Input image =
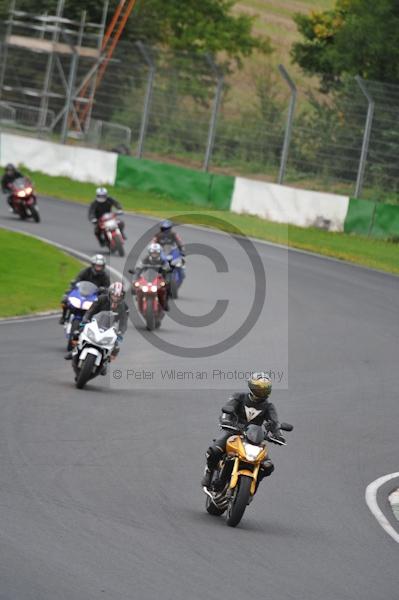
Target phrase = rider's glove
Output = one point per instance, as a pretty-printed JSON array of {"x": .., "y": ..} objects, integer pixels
[
  {"x": 81, "y": 325},
  {"x": 94, "y": 221}
]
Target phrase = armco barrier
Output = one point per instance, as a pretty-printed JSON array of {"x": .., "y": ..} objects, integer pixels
[
  {"x": 179, "y": 183},
  {"x": 284, "y": 204},
  {"x": 81, "y": 164}
]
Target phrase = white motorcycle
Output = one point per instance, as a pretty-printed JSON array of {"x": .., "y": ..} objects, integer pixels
[{"x": 93, "y": 350}]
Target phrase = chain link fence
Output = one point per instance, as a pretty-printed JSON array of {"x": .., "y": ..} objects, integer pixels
[{"x": 187, "y": 109}]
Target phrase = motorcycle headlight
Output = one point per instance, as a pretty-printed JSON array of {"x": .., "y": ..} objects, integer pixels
[
  {"x": 28, "y": 190},
  {"x": 86, "y": 304},
  {"x": 252, "y": 451},
  {"x": 21, "y": 194},
  {"x": 154, "y": 288},
  {"x": 144, "y": 288},
  {"x": 91, "y": 335},
  {"x": 75, "y": 302},
  {"x": 107, "y": 340}
]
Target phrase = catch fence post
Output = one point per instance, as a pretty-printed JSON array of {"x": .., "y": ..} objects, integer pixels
[
  {"x": 290, "y": 120},
  {"x": 215, "y": 112},
  {"x": 147, "y": 98},
  {"x": 366, "y": 136}
]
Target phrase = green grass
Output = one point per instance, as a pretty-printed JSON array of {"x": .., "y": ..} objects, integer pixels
[
  {"x": 33, "y": 274},
  {"x": 370, "y": 253}
]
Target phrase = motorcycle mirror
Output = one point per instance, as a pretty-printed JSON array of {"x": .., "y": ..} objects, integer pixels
[
  {"x": 228, "y": 410},
  {"x": 286, "y": 427}
]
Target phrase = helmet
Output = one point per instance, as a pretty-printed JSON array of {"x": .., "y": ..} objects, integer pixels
[
  {"x": 116, "y": 292},
  {"x": 101, "y": 194},
  {"x": 97, "y": 263},
  {"x": 260, "y": 385},
  {"x": 154, "y": 251},
  {"x": 10, "y": 168},
  {"x": 166, "y": 225}
]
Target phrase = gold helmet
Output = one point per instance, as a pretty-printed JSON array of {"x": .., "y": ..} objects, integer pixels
[{"x": 260, "y": 385}]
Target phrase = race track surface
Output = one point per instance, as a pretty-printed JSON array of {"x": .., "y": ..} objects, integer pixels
[{"x": 99, "y": 489}]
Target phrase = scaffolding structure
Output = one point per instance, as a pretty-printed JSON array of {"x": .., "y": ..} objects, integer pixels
[{"x": 66, "y": 43}]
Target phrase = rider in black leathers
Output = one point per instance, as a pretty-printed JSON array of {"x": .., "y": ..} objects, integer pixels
[
  {"x": 101, "y": 205},
  {"x": 95, "y": 273},
  {"x": 253, "y": 407},
  {"x": 10, "y": 175}
]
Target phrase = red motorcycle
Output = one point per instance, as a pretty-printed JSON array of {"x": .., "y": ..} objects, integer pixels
[
  {"x": 109, "y": 226},
  {"x": 23, "y": 199},
  {"x": 150, "y": 291}
]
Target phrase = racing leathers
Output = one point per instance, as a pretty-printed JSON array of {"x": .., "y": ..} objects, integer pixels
[
  {"x": 98, "y": 209},
  {"x": 248, "y": 411},
  {"x": 169, "y": 238},
  {"x": 6, "y": 182}
]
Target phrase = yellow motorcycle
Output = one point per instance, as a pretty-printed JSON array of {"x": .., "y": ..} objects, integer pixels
[{"x": 236, "y": 478}]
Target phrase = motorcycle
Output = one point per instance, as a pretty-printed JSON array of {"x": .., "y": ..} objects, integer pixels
[
  {"x": 78, "y": 301},
  {"x": 150, "y": 291},
  {"x": 93, "y": 350},
  {"x": 109, "y": 226},
  {"x": 236, "y": 479},
  {"x": 23, "y": 199},
  {"x": 177, "y": 268}
]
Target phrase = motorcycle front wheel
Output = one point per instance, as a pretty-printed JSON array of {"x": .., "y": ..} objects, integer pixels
[
  {"x": 150, "y": 316},
  {"x": 35, "y": 214},
  {"x": 86, "y": 371},
  {"x": 239, "y": 501},
  {"x": 119, "y": 246}
]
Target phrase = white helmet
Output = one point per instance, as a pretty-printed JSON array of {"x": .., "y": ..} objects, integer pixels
[
  {"x": 101, "y": 194},
  {"x": 154, "y": 251},
  {"x": 97, "y": 263}
]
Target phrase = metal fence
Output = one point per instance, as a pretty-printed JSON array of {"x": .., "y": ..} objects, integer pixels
[{"x": 156, "y": 104}]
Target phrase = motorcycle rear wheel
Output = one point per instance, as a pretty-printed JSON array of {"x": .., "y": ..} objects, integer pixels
[
  {"x": 239, "y": 502},
  {"x": 86, "y": 371}
]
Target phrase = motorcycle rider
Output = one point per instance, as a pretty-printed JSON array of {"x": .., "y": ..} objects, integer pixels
[
  {"x": 10, "y": 175},
  {"x": 95, "y": 273},
  {"x": 156, "y": 260},
  {"x": 167, "y": 236},
  {"x": 101, "y": 205},
  {"x": 112, "y": 300},
  {"x": 253, "y": 407}
]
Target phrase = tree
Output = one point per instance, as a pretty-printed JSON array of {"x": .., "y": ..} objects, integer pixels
[
  {"x": 356, "y": 37},
  {"x": 183, "y": 25}
]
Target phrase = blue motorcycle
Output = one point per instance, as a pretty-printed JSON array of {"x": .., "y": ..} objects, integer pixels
[
  {"x": 178, "y": 270},
  {"x": 79, "y": 300}
]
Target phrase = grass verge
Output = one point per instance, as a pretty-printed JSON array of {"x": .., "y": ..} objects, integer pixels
[
  {"x": 33, "y": 274},
  {"x": 359, "y": 250}
]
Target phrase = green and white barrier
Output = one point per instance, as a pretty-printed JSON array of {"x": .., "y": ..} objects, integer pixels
[{"x": 273, "y": 202}]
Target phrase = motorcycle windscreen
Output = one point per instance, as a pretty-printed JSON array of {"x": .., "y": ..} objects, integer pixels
[
  {"x": 86, "y": 288},
  {"x": 255, "y": 434},
  {"x": 21, "y": 183},
  {"x": 105, "y": 319},
  {"x": 150, "y": 274}
]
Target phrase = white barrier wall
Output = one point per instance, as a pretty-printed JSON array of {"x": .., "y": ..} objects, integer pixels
[
  {"x": 81, "y": 164},
  {"x": 289, "y": 205}
]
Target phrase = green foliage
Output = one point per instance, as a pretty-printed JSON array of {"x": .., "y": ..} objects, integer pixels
[
  {"x": 357, "y": 37},
  {"x": 202, "y": 27}
]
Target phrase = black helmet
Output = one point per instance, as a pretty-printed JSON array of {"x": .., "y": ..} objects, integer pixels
[
  {"x": 260, "y": 386},
  {"x": 97, "y": 263},
  {"x": 10, "y": 168}
]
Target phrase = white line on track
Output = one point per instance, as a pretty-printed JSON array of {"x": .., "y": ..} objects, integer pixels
[
  {"x": 67, "y": 249},
  {"x": 371, "y": 499}
]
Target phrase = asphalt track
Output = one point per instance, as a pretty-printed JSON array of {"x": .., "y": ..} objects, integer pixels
[{"x": 99, "y": 489}]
